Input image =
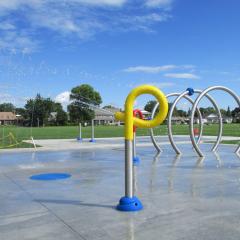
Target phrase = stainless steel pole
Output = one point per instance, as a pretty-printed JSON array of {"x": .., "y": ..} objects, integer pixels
[
  {"x": 92, "y": 131},
  {"x": 134, "y": 145},
  {"x": 128, "y": 169},
  {"x": 80, "y": 131}
]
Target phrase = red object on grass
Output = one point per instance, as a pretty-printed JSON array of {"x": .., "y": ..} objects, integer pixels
[{"x": 135, "y": 113}]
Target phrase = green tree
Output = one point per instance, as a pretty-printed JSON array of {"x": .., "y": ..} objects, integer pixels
[
  {"x": 207, "y": 111},
  {"x": 7, "y": 107},
  {"x": 236, "y": 115},
  {"x": 84, "y": 98},
  {"x": 223, "y": 112},
  {"x": 61, "y": 117},
  {"x": 228, "y": 114},
  {"x": 150, "y": 105},
  {"x": 181, "y": 113},
  {"x": 38, "y": 110},
  {"x": 108, "y": 106}
]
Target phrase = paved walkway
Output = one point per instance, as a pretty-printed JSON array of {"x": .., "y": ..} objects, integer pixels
[{"x": 73, "y": 144}]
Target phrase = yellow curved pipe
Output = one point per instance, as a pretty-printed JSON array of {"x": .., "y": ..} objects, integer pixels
[{"x": 127, "y": 115}]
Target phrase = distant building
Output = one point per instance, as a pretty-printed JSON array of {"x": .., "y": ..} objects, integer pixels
[
  {"x": 7, "y": 118},
  {"x": 105, "y": 116},
  {"x": 179, "y": 120},
  {"x": 227, "y": 119},
  {"x": 146, "y": 114},
  {"x": 212, "y": 118}
]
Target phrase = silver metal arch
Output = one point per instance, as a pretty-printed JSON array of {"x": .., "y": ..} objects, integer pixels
[
  {"x": 170, "y": 135},
  {"x": 155, "y": 109},
  {"x": 204, "y": 93}
]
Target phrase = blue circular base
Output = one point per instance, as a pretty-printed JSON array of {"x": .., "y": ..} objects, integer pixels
[
  {"x": 92, "y": 141},
  {"x": 79, "y": 139},
  {"x": 136, "y": 161},
  {"x": 127, "y": 204},
  {"x": 50, "y": 176}
]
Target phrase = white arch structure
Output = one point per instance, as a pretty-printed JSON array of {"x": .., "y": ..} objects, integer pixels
[{"x": 186, "y": 94}]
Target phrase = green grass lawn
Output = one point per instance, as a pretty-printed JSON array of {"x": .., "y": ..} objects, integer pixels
[{"x": 24, "y": 133}]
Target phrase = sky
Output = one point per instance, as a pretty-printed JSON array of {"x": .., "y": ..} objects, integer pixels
[{"x": 51, "y": 46}]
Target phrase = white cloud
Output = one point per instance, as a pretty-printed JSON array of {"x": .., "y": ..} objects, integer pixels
[
  {"x": 159, "y": 3},
  {"x": 14, "y": 41},
  {"x": 102, "y": 2},
  {"x": 182, "y": 75},
  {"x": 156, "y": 69},
  {"x": 82, "y": 19},
  {"x": 63, "y": 98},
  {"x": 150, "y": 69},
  {"x": 6, "y": 26},
  {"x": 14, "y": 4}
]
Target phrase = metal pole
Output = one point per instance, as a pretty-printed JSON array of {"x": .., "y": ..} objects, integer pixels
[
  {"x": 128, "y": 169},
  {"x": 80, "y": 131},
  {"x": 136, "y": 160},
  {"x": 92, "y": 131},
  {"x": 79, "y": 138},
  {"x": 134, "y": 145}
]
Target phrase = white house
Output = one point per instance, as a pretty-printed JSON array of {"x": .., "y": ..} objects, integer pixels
[{"x": 212, "y": 118}]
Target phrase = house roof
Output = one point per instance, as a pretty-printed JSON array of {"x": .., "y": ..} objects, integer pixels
[
  {"x": 212, "y": 115},
  {"x": 103, "y": 112},
  {"x": 112, "y": 109},
  {"x": 145, "y": 112},
  {"x": 7, "y": 116}
]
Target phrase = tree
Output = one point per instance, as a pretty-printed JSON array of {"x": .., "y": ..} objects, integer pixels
[
  {"x": 175, "y": 111},
  {"x": 150, "y": 105},
  {"x": 38, "y": 110},
  {"x": 207, "y": 111},
  {"x": 223, "y": 112},
  {"x": 228, "y": 114},
  {"x": 21, "y": 111},
  {"x": 84, "y": 99},
  {"x": 181, "y": 113},
  {"x": 61, "y": 117},
  {"x": 236, "y": 115},
  {"x": 7, "y": 107},
  {"x": 108, "y": 106}
]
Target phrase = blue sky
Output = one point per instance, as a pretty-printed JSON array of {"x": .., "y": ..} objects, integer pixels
[{"x": 50, "y": 46}]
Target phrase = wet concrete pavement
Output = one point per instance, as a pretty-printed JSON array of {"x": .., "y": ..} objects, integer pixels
[{"x": 183, "y": 197}]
